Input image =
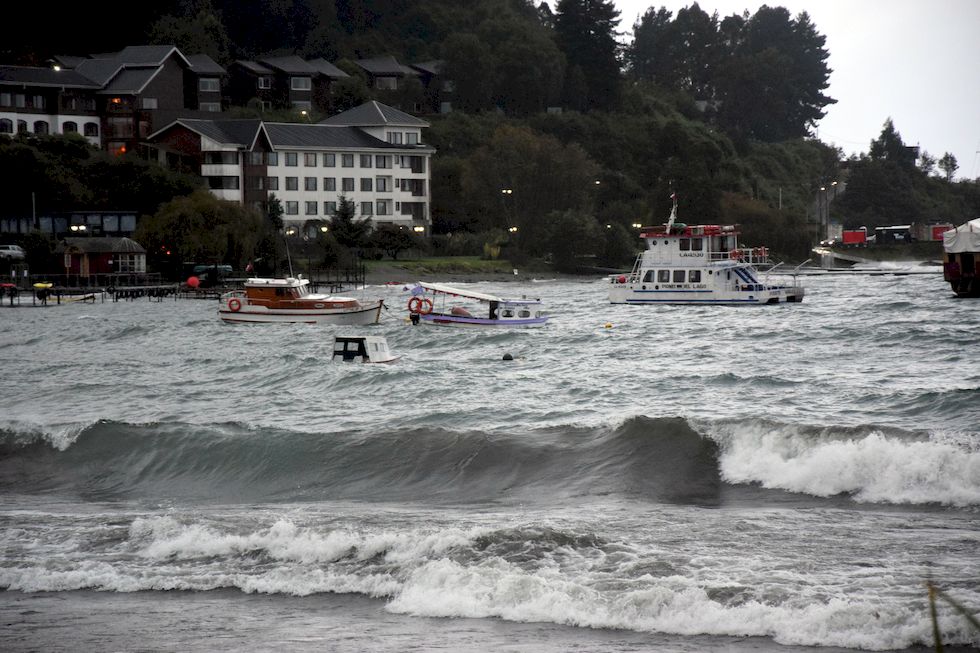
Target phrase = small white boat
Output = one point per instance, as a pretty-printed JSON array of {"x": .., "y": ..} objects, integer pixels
[
  {"x": 699, "y": 264},
  {"x": 290, "y": 300},
  {"x": 362, "y": 349},
  {"x": 443, "y": 305}
]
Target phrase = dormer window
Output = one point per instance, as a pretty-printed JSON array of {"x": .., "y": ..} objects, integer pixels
[{"x": 300, "y": 83}]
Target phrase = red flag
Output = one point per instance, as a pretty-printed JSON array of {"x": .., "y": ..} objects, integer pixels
[{"x": 248, "y": 268}]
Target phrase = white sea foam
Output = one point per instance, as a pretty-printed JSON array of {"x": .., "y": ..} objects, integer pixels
[{"x": 873, "y": 467}]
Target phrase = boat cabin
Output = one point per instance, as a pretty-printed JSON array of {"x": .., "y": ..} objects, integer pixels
[
  {"x": 362, "y": 349},
  {"x": 681, "y": 244}
]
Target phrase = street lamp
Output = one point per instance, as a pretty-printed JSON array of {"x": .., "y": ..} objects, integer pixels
[
  {"x": 418, "y": 229},
  {"x": 637, "y": 225},
  {"x": 324, "y": 229}
]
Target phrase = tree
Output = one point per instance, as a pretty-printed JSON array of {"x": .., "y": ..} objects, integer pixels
[
  {"x": 200, "y": 33},
  {"x": 468, "y": 63},
  {"x": 647, "y": 57},
  {"x": 948, "y": 165},
  {"x": 573, "y": 236},
  {"x": 346, "y": 228},
  {"x": 201, "y": 227},
  {"x": 392, "y": 240},
  {"x": 586, "y": 33}
]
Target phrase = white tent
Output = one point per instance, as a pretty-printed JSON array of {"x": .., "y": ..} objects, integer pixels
[{"x": 965, "y": 238}]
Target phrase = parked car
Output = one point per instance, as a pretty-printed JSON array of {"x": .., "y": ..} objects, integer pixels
[{"x": 12, "y": 253}]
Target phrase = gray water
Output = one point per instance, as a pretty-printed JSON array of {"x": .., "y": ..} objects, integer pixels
[{"x": 639, "y": 478}]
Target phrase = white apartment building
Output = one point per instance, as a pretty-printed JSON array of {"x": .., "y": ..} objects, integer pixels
[{"x": 372, "y": 155}]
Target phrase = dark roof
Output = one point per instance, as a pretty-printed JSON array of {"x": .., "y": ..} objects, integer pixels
[
  {"x": 202, "y": 64},
  {"x": 101, "y": 245},
  {"x": 67, "y": 60},
  {"x": 99, "y": 70},
  {"x": 429, "y": 67},
  {"x": 385, "y": 66},
  {"x": 130, "y": 81},
  {"x": 374, "y": 114},
  {"x": 44, "y": 77},
  {"x": 254, "y": 67},
  {"x": 148, "y": 55},
  {"x": 327, "y": 69},
  {"x": 240, "y": 133},
  {"x": 288, "y": 135},
  {"x": 291, "y": 65}
]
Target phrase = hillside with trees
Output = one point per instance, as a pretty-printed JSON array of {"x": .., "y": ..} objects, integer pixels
[{"x": 559, "y": 126}]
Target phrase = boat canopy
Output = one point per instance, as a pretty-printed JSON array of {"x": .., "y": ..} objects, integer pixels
[
  {"x": 964, "y": 238},
  {"x": 457, "y": 292}
]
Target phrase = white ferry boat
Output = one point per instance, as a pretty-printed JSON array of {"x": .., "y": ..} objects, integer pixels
[{"x": 698, "y": 264}]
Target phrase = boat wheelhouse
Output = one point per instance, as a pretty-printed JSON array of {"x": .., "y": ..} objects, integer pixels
[
  {"x": 362, "y": 349},
  {"x": 698, "y": 264},
  {"x": 290, "y": 300},
  {"x": 443, "y": 305},
  {"x": 961, "y": 258}
]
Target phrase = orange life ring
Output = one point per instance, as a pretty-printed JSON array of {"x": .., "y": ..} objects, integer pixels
[
  {"x": 414, "y": 304},
  {"x": 234, "y": 304},
  {"x": 426, "y": 306}
]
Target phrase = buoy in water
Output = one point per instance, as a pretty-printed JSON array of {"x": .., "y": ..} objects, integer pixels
[
  {"x": 608, "y": 325},
  {"x": 508, "y": 357},
  {"x": 193, "y": 282}
]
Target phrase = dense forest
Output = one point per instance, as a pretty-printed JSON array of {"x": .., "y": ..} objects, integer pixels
[{"x": 588, "y": 131}]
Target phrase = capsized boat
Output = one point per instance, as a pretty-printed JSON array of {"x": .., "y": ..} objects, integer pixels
[
  {"x": 698, "y": 264},
  {"x": 442, "y": 305},
  {"x": 290, "y": 300},
  {"x": 961, "y": 258},
  {"x": 362, "y": 349}
]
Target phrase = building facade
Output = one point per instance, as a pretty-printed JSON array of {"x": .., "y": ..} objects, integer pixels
[{"x": 372, "y": 155}]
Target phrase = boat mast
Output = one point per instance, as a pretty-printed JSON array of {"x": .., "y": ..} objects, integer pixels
[
  {"x": 289, "y": 261},
  {"x": 673, "y": 212}
]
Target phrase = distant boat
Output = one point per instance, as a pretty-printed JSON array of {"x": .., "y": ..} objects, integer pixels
[
  {"x": 362, "y": 349},
  {"x": 697, "y": 264},
  {"x": 290, "y": 300},
  {"x": 443, "y": 305},
  {"x": 961, "y": 258}
]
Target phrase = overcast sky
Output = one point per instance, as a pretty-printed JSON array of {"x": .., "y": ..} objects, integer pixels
[{"x": 916, "y": 61}]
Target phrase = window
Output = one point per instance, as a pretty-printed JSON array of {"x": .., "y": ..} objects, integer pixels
[
  {"x": 255, "y": 183},
  {"x": 303, "y": 105},
  {"x": 309, "y": 159},
  {"x": 209, "y": 85},
  {"x": 6, "y": 126},
  {"x": 40, "y": 126},
  {"x": 255, "y": 158},
  {"x": 367, "y": 185},
  {"x": 272, "y": 183},
  {"x": 697, "y": 244},
  {"x": 386, "y": 83},
  {"x": 311, "y": 208},
  {"x": 148, "y": 103},
  {"x": 384, "y": 207},
  {"x": 91, "y": 129},
  {"x": 21, "y": 126},
  {"x": 292, "y": 183},
  {"x": 292, "y": 159},
  {"x": 38, "y": 102},
  {"x": 266, "y": 105},
  {"x": 694, "y": 276},
  {"x": 329, "y": 208},
  {"x": 309, "y": 183},
  {"x": 221, "y": 158},
  {"x": 20, "y": 100},
  {"x": 292, "y": 208},
  {"x": 347, "y": 184},
  {"x": 5, "y": 99},
  {"x": 347, "y": 160},
  {"x": 679, "y": 276},
  {"x": 299, "y": 83},
  {"x": 395, "y": 138},
  {"x": 648, "y": 277},
  {"x": 382, "y": 184},
  {"x": 272, "y": 158},
  {"x": 411, "y": 138},
  {"x": 330, "y": 183},
  {"x": 365, "y": 160},
  {"x": 663, "y": 276},
  {"x": 265, "y": 82},
  {"x": 329, "y": 160},
  {"x": 382, "y": 161},
  {"x": 223, "y": 183},
  {"x": 367, "y": 208},
  {"x": 211, "y": 107}
]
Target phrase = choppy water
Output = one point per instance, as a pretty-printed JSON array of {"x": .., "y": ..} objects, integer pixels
[{"x": 639, "y": 478}]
